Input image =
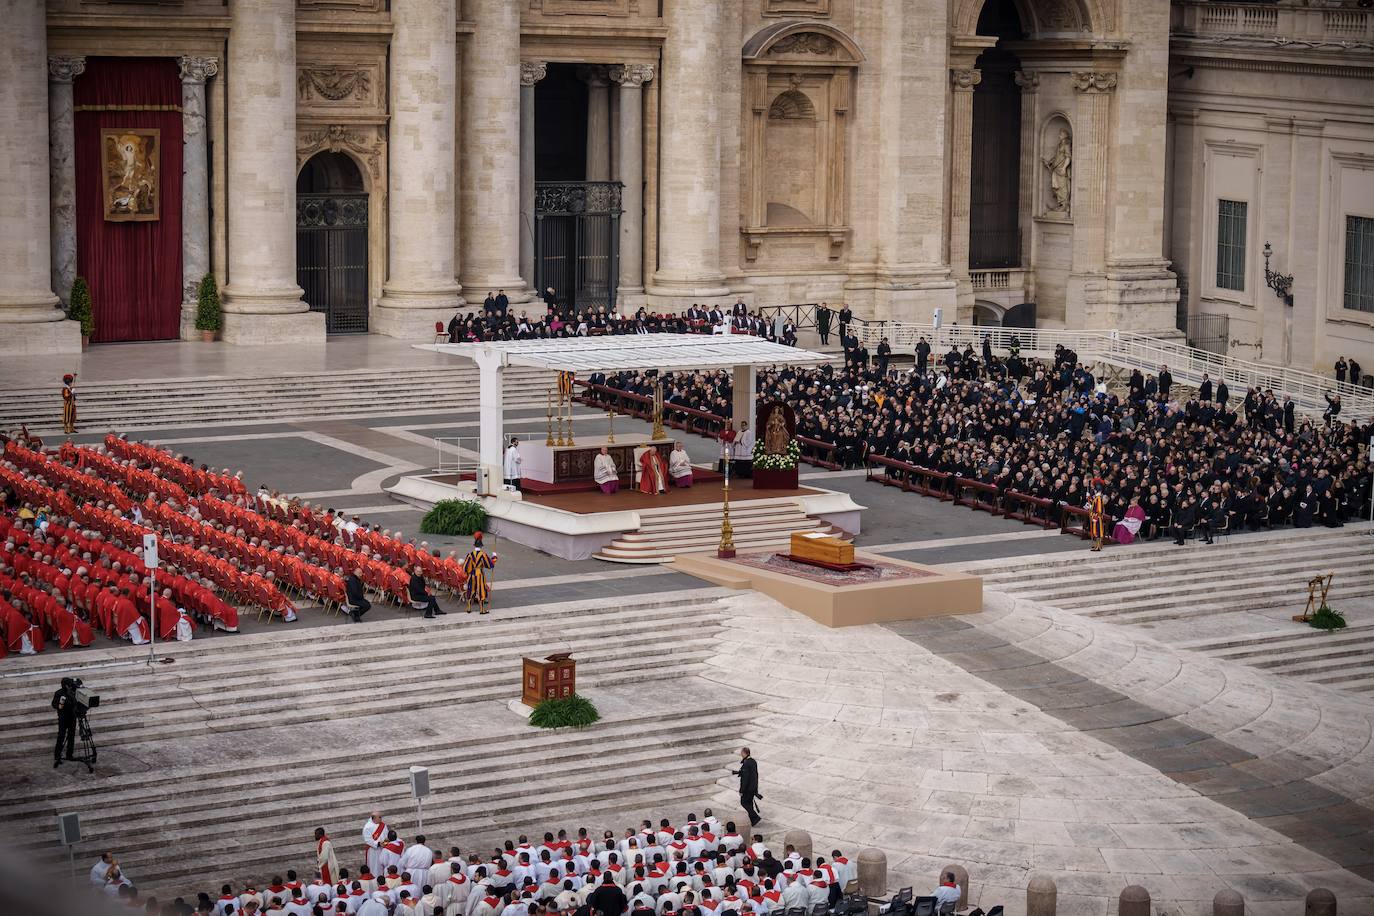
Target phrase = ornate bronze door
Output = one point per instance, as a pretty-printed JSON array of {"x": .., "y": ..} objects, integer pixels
[
  {"x": 331, "y": 258},
  {"x": 577, "y": 241}
]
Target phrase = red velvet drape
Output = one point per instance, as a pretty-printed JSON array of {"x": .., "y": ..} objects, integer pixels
[{"x": 133, "y": 268}]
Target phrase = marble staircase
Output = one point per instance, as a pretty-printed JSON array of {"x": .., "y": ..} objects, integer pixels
[
  {"x": 219, "y": 767},
  {"x": 758, "y": 524},
  {"x": 1237, "y": 593},
  {"x": 141, "y": 404}
]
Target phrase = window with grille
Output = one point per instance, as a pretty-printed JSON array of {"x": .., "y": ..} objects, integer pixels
[
  {"x": 1359, "y": 263},
  {"x": 1231, "y": 244}
]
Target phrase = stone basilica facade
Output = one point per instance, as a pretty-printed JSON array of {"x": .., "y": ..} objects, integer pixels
[{"x": 365, "y": 165}]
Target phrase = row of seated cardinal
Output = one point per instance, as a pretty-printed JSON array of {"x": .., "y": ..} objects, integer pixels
[
  {"x": 71, "y": 526},
  {"x": 697, "y": 868}
]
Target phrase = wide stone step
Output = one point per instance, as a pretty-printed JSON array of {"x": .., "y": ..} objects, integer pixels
[
  {"x": 1188, "y": 569},
  {"x": 1263, "y": 595},
  {"x": 184, "y": 858},
  {"x": 1275, "y": 640},
  {"x": 1144, "y": 556},
  {"x": 456, "y": 753},
  {"x": 378, "y": 636},
  {"x": 1325, "y": 642},
  {"x": 504, "y": 782},
  {"x": 415, "y": 689}
]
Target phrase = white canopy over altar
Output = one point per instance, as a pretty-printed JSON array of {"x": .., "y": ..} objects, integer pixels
[{"x": 742, "y": 353}]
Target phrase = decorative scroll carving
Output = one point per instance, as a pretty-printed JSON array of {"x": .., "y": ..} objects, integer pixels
[
  {"x": 632, "y": 74},
  {"x": 577, "y": 197},
  {"x": 65, "y": 69},
  {"x": 365, "y": 143},
  {"x": 327, "y": 210},
  {"x": 1057, "y": 16},
  {"x": 1027, "y": 80},
  {"x": 333, "y": 83},
  {"x": 532, "y": 71},
  {"x": 965, "y": 80},
  {"x": 804, "y": 43},
  {"x": 197, "y": 69},
  {"x": 1090, "y": 81}
]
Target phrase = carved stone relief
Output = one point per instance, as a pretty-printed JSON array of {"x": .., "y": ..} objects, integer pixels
[
  {"x": 804, "y": 43},
  {"x": 333, "y": 84},
  {"x": 366, "y": 143}
]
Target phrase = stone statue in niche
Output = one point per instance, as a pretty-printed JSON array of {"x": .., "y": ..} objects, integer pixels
[{"x": 1060, "y": 166}]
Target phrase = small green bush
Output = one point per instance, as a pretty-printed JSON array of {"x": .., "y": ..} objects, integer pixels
[
  {"x": 209, "y": 317},
  {"x": 1327, "y": 619},
  {"x": 575, "y": 711},
  {"x": 81, "y": 309},
  {"x": 454, "y": 516}
]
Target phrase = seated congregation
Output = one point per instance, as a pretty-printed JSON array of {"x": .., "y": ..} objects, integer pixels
[
  {"x": 1048, "y": 434},
  {"x": 558, "y": 320},
  {"x": 72, "y": 522},
  {"x": 698, "y": 868}
]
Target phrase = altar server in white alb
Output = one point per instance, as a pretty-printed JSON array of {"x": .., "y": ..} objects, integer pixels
[
  {"x": 511, "y": 465},
  {"x": 374, "y": 836},
  {"x": 604, "y": 472},
  {"x": 417, "y": 860},
  {"x": 679, "y": 466}
]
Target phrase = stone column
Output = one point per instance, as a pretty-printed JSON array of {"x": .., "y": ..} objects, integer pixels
[
  {"x": 1134, "y": 901},
  {"x": 30, "y": 314},
  {"x": 490, "y": 224},
  {"x": 420, "y": 286},
  {"x": 630, "y": 147},
  {"x": 62, "y": 171},
  {"x": 262, "y": 303},
  {"x": 872, "y": 872},
  {"x": 1228, "y": 903},
  {"x": 962, "y": 82},
  {"x": 689, "y": 165},
  {"x": 531, "y": 72},
  {"x": 1028, "y": 81},
  {"x": 195, "y": 187},
  {"x": 598, "y": 122},
  {"x": 1090, "y": 148}
]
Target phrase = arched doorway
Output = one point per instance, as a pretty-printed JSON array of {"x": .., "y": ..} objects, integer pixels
[
  {"x": 331, "y": 241},
  {"x": 987, "y": 314},
  {"x": 995, "y": 198}
]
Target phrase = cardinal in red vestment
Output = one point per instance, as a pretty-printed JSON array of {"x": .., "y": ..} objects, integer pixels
[{"x": 653, "y": 476}]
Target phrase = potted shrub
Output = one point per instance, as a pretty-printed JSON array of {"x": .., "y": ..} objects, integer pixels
[
  {"x": 80, "y": 310},
  {"x": 209, "y": 318},
  {"x": 457, "y": 517}
]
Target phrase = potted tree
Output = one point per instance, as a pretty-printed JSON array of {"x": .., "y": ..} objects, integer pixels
[
  {"x": 81, "y": 311},
  {"x": 209, "y": 318}
]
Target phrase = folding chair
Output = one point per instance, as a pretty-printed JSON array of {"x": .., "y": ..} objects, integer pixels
[
  {"x": 820, "y": 909},
  {"x": 923, "y": 906}
]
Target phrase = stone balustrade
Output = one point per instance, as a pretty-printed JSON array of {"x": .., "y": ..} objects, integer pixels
[{"x": 1279, "y": 24}]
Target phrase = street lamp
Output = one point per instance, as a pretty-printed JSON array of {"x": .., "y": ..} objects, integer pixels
[{"x": 1281, "y": 284}]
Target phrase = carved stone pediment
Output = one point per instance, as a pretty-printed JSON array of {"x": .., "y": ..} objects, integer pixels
[
  {"x": 333, "y": 84},
  {"x": 366, "y": 143}
]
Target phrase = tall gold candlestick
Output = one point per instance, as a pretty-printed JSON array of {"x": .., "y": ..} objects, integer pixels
[{"x": 548, "y": 401}]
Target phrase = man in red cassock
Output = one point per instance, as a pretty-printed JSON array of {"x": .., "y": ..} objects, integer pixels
[{"x": 653, "y": 476}]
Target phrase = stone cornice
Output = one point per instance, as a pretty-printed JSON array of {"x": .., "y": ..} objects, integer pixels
[{"x": 1199, "y": 57}]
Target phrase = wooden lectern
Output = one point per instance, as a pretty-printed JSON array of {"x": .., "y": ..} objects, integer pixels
[{"x": 551, "y": 679}]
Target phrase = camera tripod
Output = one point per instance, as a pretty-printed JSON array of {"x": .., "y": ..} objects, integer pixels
[{"x": 88, "y": 749}]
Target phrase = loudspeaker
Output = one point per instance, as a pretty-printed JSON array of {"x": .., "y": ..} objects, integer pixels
[
  {"x": 69, "y": 829},
  {"x": 419, "y": 781},
  {"x": 939, "y": 317}
]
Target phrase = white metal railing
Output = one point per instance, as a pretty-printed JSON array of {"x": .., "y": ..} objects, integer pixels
[
  {"x": 1133, "y": 350},
  {"x": 450, "y": 460}
]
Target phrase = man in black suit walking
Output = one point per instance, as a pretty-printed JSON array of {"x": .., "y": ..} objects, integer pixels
[{"x": 748, "y": 774}]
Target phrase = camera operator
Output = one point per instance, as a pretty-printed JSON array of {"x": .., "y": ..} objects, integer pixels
[{"x": 64, "y": 702}]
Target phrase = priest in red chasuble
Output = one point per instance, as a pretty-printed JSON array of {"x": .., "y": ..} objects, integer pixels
[{"x": 653, "y": 476}]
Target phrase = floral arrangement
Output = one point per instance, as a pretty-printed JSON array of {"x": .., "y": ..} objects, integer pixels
[{"x": 784, "y": 462}]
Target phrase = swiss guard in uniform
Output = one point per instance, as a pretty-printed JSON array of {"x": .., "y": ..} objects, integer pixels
[
  {"x": 478, "y": 566},
  {"x": 1097, "y": 516},
  {"x": 69, "y": 403}
]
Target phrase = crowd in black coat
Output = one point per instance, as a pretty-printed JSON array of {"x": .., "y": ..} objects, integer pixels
[{"x": 1051, "y": 429}]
